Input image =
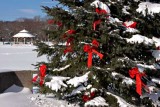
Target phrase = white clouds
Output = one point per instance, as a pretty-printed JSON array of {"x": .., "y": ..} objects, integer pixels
[{"x": 28, "y": 11}]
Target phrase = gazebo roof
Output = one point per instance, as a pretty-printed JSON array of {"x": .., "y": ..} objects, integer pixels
[{"x": 24, "y": 33}]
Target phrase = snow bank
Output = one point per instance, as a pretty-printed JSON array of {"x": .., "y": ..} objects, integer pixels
[
  {"x": 151, "y": 7},
  {"x": 16, "y": 96}
]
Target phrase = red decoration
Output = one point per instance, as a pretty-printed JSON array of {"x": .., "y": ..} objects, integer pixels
[
  {"x": 69, "y": 32},
  {"x": 88, "y": 97},
  {"x": 68, "y": 49},
  {"x": 101, "y": 11},
  {"x": 90, "y": 50},
  {"x": 139, "y": 84},
  {"x": 42, "y": 74},
  {"x": 51, "y": 21},
  {"x": 130, "y": 24},
  {"x": 95, "y": 23}
]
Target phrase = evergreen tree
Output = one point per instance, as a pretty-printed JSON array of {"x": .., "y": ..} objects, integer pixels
[{"x": 94, "y": 45}]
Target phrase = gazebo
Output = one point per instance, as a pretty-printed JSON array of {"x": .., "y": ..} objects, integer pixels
[{"x": 23, "y": 35}]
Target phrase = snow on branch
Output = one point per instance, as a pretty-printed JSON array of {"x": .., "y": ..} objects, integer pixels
[
  {"x": 126, "y": 80},
  {"x": 151, "y": 8},
  {"x": 122, "y": 102},
  {"x": 63, "y": 68},
  {"x": 98, "y": 102},
  {"x": 140, "y": 39},
  {"x": 78, "y": 80},
  {"x": 56, "y": 83}
]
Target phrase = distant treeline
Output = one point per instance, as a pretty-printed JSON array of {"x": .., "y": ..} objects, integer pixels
[{"x": 35, "y": 26}]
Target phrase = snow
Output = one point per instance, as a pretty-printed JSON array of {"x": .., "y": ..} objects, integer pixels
[
  {"x": 140, "y": 39},
  {"x": 125, "y": 8},
  {"x": 152, "y": 8},
  {"x": 56, "y": 82},
  {"x": 125, "y": 80},
  {"x": 18, "y": 57},
  {"x": 61, "y": 69},
  {"x": 78, "y": 80},
  {"x": 131, "y": 30},
  {"x": 16, "y": 96},
  {"x": 98, "y": 102},
  {"x": 101, "y": 5},
  {"x": 122, "y": 102}
]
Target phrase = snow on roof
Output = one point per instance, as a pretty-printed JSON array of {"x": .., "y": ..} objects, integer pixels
[
  {"x": 24, "y": 33},
  {"x": 152, "y": 8}
]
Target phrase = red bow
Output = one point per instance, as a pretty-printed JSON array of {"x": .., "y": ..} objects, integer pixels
[
  {"x": 95, "y": 23},
  {"x": 90, "y": 50},
  {"x": 101, "y": 11},
  {"x": 42, "y": 75},
  {"x": 130, "y": 25},
  {"x": 51, "y": 21},
  {"x": 69, "y": 32},
  {"x": 134, "y": 72},
  {"x": 87, "y": 98}
]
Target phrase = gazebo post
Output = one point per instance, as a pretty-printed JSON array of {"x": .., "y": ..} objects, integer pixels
[
  {"x": 24, "y": 40},
  {"x": 17, "y": 40}
]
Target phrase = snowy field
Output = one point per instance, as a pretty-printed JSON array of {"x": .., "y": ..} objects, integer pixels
[
  {"x": 18, "y": 57},
  {"x": 16, "y": 96}
]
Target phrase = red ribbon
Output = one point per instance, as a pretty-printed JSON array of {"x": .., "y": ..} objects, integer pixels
[
  {"x": 95, "y": 23},
  {"x": 42, "y": 74},
  {"x": 101, "y": 11},
  {"x": 69, "y": 40},
  {"x": 90, "y": 50},
  {"x": 133, "y": 25},
  {"x": 51, "y": 21},
  {"x": 87, "y": 98},
  {"x": 135, "y": 73}
]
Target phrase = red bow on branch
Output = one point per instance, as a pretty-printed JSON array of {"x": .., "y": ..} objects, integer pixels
[
  {"x": 41, "y": 74},
  {"x": 95, "y": 23},
  {"x": 69, "y": 40},
  {"x": 130, "y": 24},
  {"x": 88, "y": 97},
  {"x": 90, "y": 50},
  {"x": 101, "y": 11},
  {"x": 139, "y": 84}
]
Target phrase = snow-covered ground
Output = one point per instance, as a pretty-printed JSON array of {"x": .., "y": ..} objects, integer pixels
[
  {"x": 18, "y": 57},
  {"x": 16, "y": 96}
]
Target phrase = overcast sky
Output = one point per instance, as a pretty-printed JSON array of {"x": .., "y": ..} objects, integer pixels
[{"x": 13, "y": 9}]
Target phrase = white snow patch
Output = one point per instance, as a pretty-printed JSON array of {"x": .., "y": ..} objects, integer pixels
[
  {"x": 140, "y": 39},
  {"x": 18, "y": 58},
  {"x": 78, "y": 80},
  {"x": 61, "y": 69},
  {"x": 98, "y": 102},
  {"x": 101, "y": 5},
  {"x": 56, "y": 83},
  {"x": 122, "y": 102},
  {"x": 125, "y": 8},
  {"x": 132, "y": 30},
  {"x": 16, "y": 96},
  {"x": 151, "y": 7}
]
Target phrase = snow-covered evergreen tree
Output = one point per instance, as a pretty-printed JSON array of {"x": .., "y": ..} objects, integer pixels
[{"x": 102, "y": 50}]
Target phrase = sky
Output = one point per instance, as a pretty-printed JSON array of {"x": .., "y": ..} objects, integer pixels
[{"x": 11, "y": 10}]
